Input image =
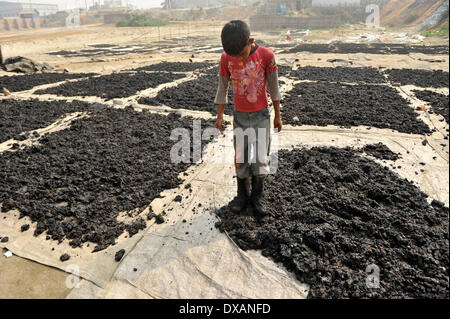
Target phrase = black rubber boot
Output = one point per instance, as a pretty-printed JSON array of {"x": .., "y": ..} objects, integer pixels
[
  {"x": 257, "y": 195},
  {"x": 241, "y": 201}
]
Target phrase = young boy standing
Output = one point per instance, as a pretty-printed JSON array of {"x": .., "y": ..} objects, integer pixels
[{"x": 250, "y": 68}]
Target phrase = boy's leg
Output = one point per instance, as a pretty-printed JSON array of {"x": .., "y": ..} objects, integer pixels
[
  {"x": 261, "y": 167},
  {"x": 242, "y": 165},
  {"x": 240, "y": 124}
]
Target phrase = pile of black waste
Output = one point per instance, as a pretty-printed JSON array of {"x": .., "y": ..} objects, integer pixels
[
  {"x": 76, "y": 182},
  {"x": 344, "y": 105},
  {"x": 20, "y": 116},
  {"x": 111, "y": 86},
  {"x": 348, "y": 227},
  {"x": 196, "y": 95}
]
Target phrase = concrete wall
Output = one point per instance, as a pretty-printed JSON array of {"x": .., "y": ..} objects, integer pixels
[
  {"x": 274, "y": 22},
  {"x": 43, "y": 9}
]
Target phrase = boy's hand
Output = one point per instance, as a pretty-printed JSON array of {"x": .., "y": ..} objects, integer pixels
[
  {"x": 278, "y": 123},
  {"x": 219, "y": 123}
]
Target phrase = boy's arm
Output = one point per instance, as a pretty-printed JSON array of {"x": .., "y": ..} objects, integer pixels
[
  {"x": 221, "y": 99},
  {"x": 272, "y": 79}
]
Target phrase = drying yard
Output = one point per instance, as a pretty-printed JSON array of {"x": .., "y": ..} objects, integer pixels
[{"x": 87, "y": 185}]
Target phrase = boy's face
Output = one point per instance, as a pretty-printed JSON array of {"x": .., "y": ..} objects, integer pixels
[{"x": 246, "y": 51}]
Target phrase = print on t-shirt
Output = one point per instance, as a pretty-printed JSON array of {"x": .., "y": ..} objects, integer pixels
[
  {"x": 249, "y": 78},
  {"x": 248, "y": 81}
]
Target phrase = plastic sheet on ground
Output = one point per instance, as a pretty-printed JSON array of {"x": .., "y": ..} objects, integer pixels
[
  {"x": 192, "y": 260},
  {"x": 173, "y": 260},
  {"x": 97, "y": 267},
  {"x": 187, "y": 257}
]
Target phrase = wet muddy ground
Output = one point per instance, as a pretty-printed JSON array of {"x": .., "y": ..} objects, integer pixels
[
  {"x": 18, "y": 83},
  {"x": 21, "y": 116},
  {"x": 177, "y": 66},
  {"x": 212, "y": 71},
  {"x": 196, "y": 95},
  {"x": 283, "y": 70},
  {"x": 181, "y": 44},
  {"x": 420, "y": 78},
  {"x": 117, "y": 85},
  {"x": 350, "y": 105},
  {"x": 339, "y": 74},
  {"x": 76, "y": 182},
  {"x": 439, "y": 102},
  {"x": 334, "y": 213},
  {"x": 379, "y": 151},
  {"x": 109, "y": 50},
  {"x": 370, "y": 48}
]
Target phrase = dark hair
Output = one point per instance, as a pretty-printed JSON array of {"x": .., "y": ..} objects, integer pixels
[{"x": 235, "y": 36}]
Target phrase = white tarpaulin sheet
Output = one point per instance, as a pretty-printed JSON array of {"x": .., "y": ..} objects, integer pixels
[{"x": 187, "y": 257}]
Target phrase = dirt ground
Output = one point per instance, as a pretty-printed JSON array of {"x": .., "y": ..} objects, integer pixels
[
  {"x": 26, "y": 279},
  {"x": 35, "y": 45}
]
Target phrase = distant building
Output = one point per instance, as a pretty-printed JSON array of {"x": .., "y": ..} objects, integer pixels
[
  {"x": 284, "y": 6},
  {"x": 29, "y": 14},
  {"x": 14, "y": 9},
  {"x": 43, "y": 9},
  {"x": 331, "y": 3},
  {"x": 302, "y": 4},
  {"x": 10, "y": 9},
  {"x": 183, "y": 4},
  {"x": 109, "y": 4}
]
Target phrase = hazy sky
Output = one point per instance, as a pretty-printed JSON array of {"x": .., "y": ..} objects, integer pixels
[{"x": 68, "y": 4}]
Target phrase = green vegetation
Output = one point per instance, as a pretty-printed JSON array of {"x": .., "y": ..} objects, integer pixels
[
  {"x": 141, "y": 21},
  {"x": 441, "y": 32}
]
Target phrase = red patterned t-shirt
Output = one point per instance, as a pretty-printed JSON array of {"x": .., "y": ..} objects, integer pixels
[{"x": 249, "y": 78}]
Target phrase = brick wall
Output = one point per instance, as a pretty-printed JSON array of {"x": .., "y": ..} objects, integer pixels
[{"x": 10, "y": 24}]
